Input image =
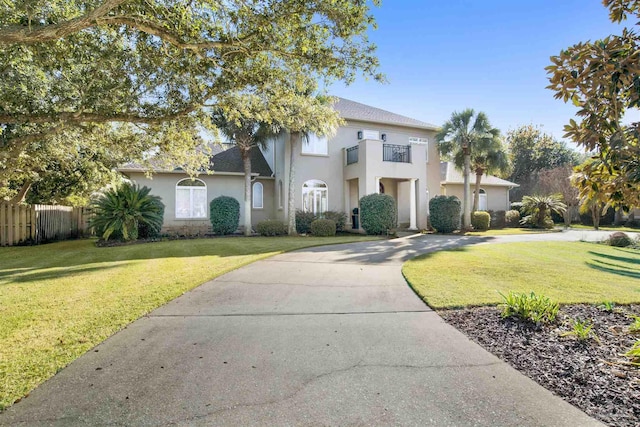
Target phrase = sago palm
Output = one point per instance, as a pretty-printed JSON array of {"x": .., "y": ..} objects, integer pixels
[
  {"x": 118, "y": 212},
  {"x": 539, "y": 209}
]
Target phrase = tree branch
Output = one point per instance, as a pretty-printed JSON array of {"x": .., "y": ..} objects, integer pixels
[
  {"x": 27, "y": 35},
  {"x": 80, "y": 117}
]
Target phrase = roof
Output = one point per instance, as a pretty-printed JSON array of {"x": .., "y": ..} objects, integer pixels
[
  {"x": 356, "y": 111},
  {"x": 449, "y": 174},
  {"x": 223, "y": 159}
]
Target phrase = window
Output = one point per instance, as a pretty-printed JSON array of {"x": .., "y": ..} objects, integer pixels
[
  {"x": 191, "y": 199},
  {"x": 482, "y": 200},
  {"x": 314, "y": 196},
  {"x": 258, "y": 198},
  {"x": 315, "y": 144}
]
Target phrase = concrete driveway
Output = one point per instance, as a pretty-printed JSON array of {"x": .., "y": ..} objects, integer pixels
[{"x": 322, "y": 336}]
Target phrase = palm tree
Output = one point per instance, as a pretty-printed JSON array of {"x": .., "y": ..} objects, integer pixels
[
  {"x": 247, "y": 135},
  {"x": 489, "y": 157},
  {"x": 458, "y": 139}
]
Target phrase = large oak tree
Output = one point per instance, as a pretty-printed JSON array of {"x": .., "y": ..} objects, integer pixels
[{"x": 144, "y": 71}]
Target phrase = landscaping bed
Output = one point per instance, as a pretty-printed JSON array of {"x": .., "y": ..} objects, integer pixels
[{"x": 591, "y": 374}]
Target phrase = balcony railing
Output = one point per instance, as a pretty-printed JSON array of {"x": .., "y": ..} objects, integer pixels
[
  {"x": 396, "y": 153},
  {"x": 352, "y": 155}
]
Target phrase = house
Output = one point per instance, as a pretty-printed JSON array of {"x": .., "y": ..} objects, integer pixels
[
  {"x": 494, "y": 191},
  {"x": 375, "y": 151}
]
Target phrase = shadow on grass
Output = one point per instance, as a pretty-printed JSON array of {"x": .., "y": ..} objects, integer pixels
[
  {"x": 614, "y": 268},
  {"x": 37, "y": 275}
]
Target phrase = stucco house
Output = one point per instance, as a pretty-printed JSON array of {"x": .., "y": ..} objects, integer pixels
[
  {"x": 374, "y": 151},
  {"x": 494, "y": 191}
]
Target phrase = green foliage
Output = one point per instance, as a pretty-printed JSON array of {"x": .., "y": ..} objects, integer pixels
[
  {"x": 539, "y": 208},
  {"x": 600, "y": 78},
  {"x": 619, "y": 239},
  {"x": 377, "y": 213},
  {"x": 148, "y": 230},
  {"x": 480, "y": 220},
  {"x": 512, "y": 218},
  {"x": 72, "y": 69},
  {"x": 303, "y": 221},
  {"x": 531, "y": 307},
  {"x": 271, "y": 228},
  {"x": 340, "y": 218},
  {"x": 323, "y": 227},
  {"x": 581, "y": 329},
  {"x": 118, "y": 212},
  {"x": 532, "y": 151},
  {"x": 634, "y": 328},
  {"x": 607, "y": 306},
  {"x": 498, "y": 219},
  {"x": 586, "y": 217},
  {"x": 444, "y": 213},
  {"x": 634, "y": 353},
  {"x": 224, "y": 212}
]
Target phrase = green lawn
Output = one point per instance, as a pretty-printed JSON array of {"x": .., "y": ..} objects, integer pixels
[
  {"x": 59, "y": 300},
  {"x": 508, "y": 231},
  {"x": 607, "y": 228},
  {"x": 568, "y": 272}
]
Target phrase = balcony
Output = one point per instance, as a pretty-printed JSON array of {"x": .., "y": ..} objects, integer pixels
[
  {"x": 352, "y": 155},
  {"x": 396, "y": 153}
]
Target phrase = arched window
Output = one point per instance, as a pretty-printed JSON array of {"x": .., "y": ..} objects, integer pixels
[
  {"x": 314, "y": 196},
  {"x": 258, "y": 195},
  {"x": 482, "y": 200},
  {"x": 191, "y": 199}
]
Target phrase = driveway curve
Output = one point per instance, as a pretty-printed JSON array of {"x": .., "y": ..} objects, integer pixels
[{"x": 322, "y": 336}]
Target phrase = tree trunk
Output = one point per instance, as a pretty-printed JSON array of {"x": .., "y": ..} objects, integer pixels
[
  {"x": 291, "y": 209},
  {"x": 619, "y": 217},
  {"x": 22, "y": 194},
  {"x": 595, "y": 216},
  {"x": 246, "y": 161},
  {"x": 567, "y": 216},
  {"x": 476, "y": 196},
  {"x": 466, "y": 204}
]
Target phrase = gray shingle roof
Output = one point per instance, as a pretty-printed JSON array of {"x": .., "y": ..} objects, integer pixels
[
  {"x": 450, "y": 175},
  {"x": 224, "y": 158},
  {"x": 356, "y": 111}
]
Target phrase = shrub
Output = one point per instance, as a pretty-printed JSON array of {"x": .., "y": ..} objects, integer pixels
[
  {"x": 532, "y": 307},
  {"x": 512, "y": 218},
  {"x": 340, "y": 218},
  {"x": 480, "y": 220},
  {"x": 538, "y": 210},
  {"x": 271, "y": 228},
  {"x": 151, "y": 230},
  {"x": 323, "y": 227},
  {"x": 444, "y": 213},
  {"x": 303, "y": 221},
  {"x": 497, "y": 219},
  {"x": 619, "y": 239},
  {"x": 517, "y": 206},
  {"x": 225, "y": 215},
  {"x": 582, "y": 330},
  {"x": 377, "y": 213},
  {"x": 118, "y": 212}
]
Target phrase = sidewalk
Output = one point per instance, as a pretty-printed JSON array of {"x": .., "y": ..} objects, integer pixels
[{"x": 322, "y": 336}]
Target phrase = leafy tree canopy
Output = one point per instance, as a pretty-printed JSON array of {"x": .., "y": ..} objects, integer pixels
[
  {"x": 602, "y": 79},
  {"x": 135, "y": 77}
]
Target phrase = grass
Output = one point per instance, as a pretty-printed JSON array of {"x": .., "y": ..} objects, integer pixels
[
  {"x": 59, "y": 300},
  {"x": 606, "y": 228},
  {"x": 567, "y": 272},
  {"x": 508, "y": 231}
]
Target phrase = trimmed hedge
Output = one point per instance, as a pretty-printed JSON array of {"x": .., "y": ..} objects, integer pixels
[
  {"x": 480, "y": 220},
  {"x": 444, "y": 212},
  {"x": 225, "y": 215},
  {"x": 323, "y": 227},
  {"x": 303, "y": 221},
  {"x": 377, "y": 213},
  {"x": 340, "y": 218},
  {"x": 271, "y": 228},
  {"x": 497, "y": 219},
  {"x": 619, "y": 239},
  {"x": 512, "y": 218}
]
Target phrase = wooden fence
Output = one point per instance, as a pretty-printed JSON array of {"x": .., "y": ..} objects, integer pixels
[{"x": 22, "y": 224}]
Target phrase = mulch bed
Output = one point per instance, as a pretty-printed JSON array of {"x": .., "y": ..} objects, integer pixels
[{"x": 592, "y": 375}]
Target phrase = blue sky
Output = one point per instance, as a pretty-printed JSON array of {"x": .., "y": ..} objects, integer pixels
[{"x": 490, "y": 55}]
